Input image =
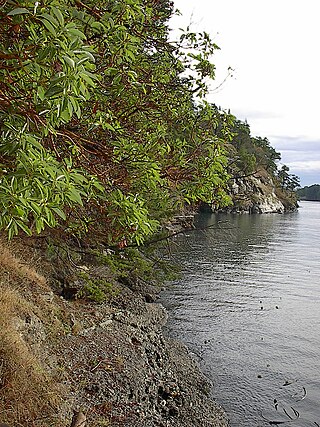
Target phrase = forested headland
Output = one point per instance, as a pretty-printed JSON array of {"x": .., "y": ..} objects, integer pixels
[
  {"x": 311, "y": 192},
  {"x": 106, "y": 134}
]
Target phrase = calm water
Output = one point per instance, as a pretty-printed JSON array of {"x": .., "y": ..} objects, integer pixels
[{"x": 248, "y": 306}]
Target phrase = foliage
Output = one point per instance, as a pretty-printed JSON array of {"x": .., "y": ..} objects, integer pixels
[
  {"x": 99, "y": 131},
  {"x": 311, "y": 192},
  {"x": 132, "y": 266},
  {"x": 288, "y": 181},
  {"x": 248, "y": 154},
  {"x": 97, "y": 290}
]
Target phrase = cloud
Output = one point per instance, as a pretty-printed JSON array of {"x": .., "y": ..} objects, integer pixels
[
  {"x": 295, "y": 156},
  {"x": 308, "y": 178},
  {"x": 244, "y": 114},
  {"x": 305, "y": 166},
  {"x": 296, "y": 143},
  {"x": 301, "y": 154},
  {"x": 276, "y": 79}
]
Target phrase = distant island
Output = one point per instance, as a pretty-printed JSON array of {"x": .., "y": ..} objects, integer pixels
[{"x": 311, "y": 192}]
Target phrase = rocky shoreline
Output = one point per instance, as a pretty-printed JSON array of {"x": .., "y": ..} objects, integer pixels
[
  {"x": 121, "y": 366},
  {"x": 110, "y": 362},
  {"x": 256, "y": 194}
]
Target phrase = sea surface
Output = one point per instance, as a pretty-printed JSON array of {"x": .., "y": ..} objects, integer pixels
[{"x": 248, "y": 306}]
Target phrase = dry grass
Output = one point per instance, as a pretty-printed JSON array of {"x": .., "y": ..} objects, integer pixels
[
  {"x": 15, "y": 268},
  {"x": 28, "y": 395}
]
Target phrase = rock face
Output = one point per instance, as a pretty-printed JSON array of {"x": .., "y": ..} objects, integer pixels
[
  {"x": 268, "y": 204},
  {"x": 257, "y": 194}
]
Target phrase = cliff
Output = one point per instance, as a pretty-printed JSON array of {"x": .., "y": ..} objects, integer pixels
[{"x": 258, "y": 193}]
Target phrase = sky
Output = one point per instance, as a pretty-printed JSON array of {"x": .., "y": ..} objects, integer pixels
[{"x": 273, "y": 46}]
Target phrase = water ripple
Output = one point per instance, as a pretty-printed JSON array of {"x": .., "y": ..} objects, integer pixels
[{"x": 248, "y": 307}]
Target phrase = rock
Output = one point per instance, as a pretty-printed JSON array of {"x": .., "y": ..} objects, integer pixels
[
  {"x": 78, "y": 419},
  {"x": 150, "y": 298},
  {"x": 255, "y": 195},
  {"x": 87, "y": 331},
  {"x": 131, "y": 366},
  {"x": 105, "y": 323}
]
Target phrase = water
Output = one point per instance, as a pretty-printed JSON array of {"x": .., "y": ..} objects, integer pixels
[{"x": 247, "y": 305}]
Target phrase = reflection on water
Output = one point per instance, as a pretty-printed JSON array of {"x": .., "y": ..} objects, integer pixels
[{"x": 248, "y": 306}]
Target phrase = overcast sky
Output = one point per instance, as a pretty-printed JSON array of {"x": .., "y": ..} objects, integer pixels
[{"x": 274, "y": 48}]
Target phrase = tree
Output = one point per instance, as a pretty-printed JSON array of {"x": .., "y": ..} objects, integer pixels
[
  {"x": 100, "y": 131},
  {"x": 288, "y": 181},
  {"x": 248, "y": 154}
]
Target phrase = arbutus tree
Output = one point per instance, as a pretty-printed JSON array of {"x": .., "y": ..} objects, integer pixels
[{"x": 100, "y": 128}]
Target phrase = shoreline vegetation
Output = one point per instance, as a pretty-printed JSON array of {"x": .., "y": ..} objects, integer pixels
[{"x": 106, "y": 139}]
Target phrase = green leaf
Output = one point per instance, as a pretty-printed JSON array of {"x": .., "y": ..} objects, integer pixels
[
  {"x": 84, "y": 90},
  {"x": 24, "y": 227},
  {"x": 74, "y": 196},
  {"x": 44, "y": 53},
  {"x": 82, "y": 60},
  {"x": 93, "y": 76},
  {"x": 18, "y": 11},
  {"x": 39, "y": 225},
  {"x": 75, "y": 105},
  {"x": 87, "y": 79},
  {"x": 78, "y": 178},
  {"x": 49, "y": 27},
  {"x": 34, "y": 142},
  {"x": 20, "y": 211},
  {"x": 86, "y": 53},
  {"x": 50, "y": 220},
  {"x": 69, "y": 61},
  {"x": 58, "y": 78},
  {"x": 60, "y": 213},
  {"x": 59, "y": 15},
  {"x": 70, "y": 107},
  {"x": 65, "y": 116},
  {"x": 50, "y": 18},
  {"x": 97, "y": 26},
  {"x": 109, "y": 126},
  {"x": 53, "y": 90},
  {"x": 35, "y": 208},
  {"x": 12, "y": 230},
  {"x": 76, "y": 32},
  {"x": 41, "y": 93}
]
